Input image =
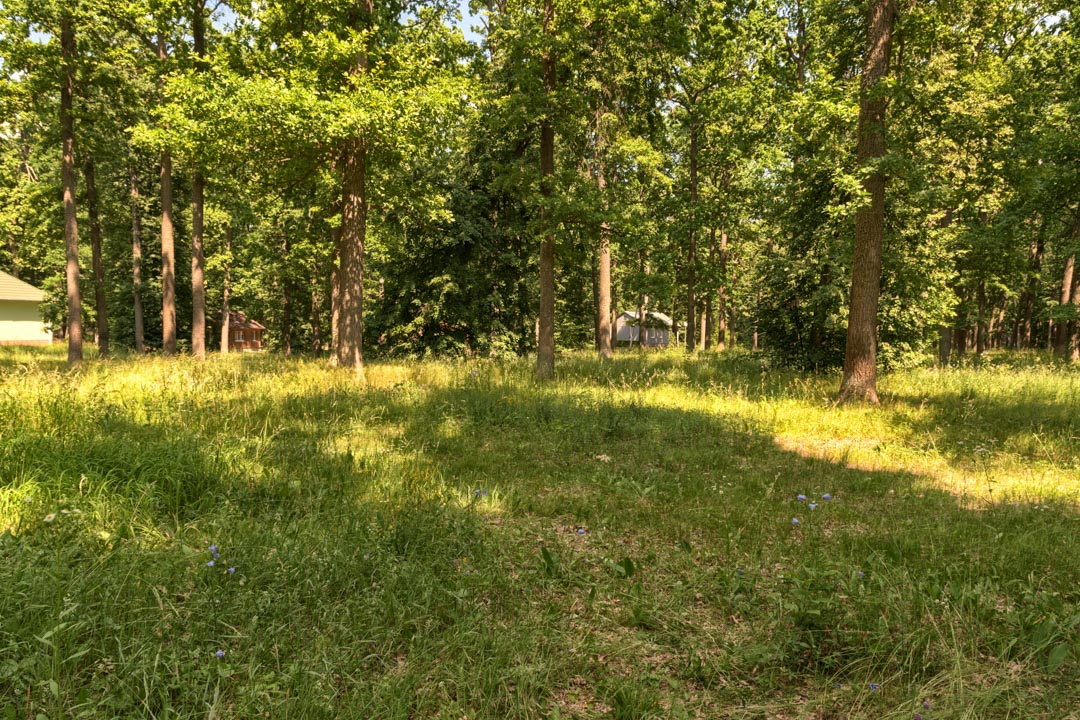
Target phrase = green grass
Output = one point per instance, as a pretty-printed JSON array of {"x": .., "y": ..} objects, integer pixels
[{"x": 630, "y": 552}]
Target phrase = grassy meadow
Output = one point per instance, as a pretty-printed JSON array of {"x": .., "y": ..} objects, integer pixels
[{"x": 652, "y": 537}]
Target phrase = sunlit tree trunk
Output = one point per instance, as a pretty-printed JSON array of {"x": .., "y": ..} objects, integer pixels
[
  {"x": 604, "y": 283},
  {"x": 859, "y": 382},
  {"x": 136, "y": 261},
  {"x": 545, "y": 354},
  {"x": 168, "y": 245},
  {"x": 350, "y": 276},
  {"x": 71, "y": 226},
  {"x": 1061, "y": 335},
  {"x": 226, "y": 290},
  {"x": 101, "y": 305},
  {"x": 198, "y": 263},
  {"x": 691, "y": 248}
]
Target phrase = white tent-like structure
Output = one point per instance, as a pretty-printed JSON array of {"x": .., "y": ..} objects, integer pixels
[
  {"x": 658, "y": 328},
  {"x": 20, "y": 317}
]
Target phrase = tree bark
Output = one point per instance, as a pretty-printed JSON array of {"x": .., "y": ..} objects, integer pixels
[
  {"x": 350, "y": 276},
  {"x": 168, "y": 245},
  {"x": 721, "y": 297},
  {"x": 604, "y": 281},
  {"x": 545, "y": 352},
  {"x": 1074, "y": 324},
  {"x": 168, "y": 259},
  {"x": 286, "y": 299},
  {"x": 101, "y": 305},
  {"x": 71, "y": 225},
  {"x": 691, "y": 249},
  {"x": 981, "y": 328},
  {"x": 136, "y": 261},
  {"x": 1027, "y": 331},
  {"x": 198, "y": 263},
  {"x": 225, "y": 291},
  {"x": 1061, "y": 336},
  {"x": 859, "y": 382},
  {"x": 335, "y": 295}
]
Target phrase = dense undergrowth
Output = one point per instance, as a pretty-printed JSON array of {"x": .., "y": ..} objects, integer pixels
[{"x": 255, "y": 537}]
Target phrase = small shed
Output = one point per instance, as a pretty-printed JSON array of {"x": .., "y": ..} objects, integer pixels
[
  {"x": 657, "y": 329},
  {"x": 244, "y": 334},
  {"x": 20, "y": 315}
]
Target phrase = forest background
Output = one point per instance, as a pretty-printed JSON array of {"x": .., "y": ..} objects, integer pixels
[{"x": 372, "y": 176}]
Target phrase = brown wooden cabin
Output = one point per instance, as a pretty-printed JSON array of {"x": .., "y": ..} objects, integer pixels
[{"x": 244, "y": 334}]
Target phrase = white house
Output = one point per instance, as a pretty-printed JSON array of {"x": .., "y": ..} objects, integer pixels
[
  {"x": 20, "y": 318},
  {"x": 658, "y": 328}
]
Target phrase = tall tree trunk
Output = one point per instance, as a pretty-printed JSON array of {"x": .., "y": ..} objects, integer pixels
[
  {"x": 944, "y": 344},
  {"x": 316, "y": 310},
  {"x": 335, "y": 295},
  {"x": 545, "y": 352},
  {"x": 286, "y": 299},
  {"x": 859, "y": 382},
  {"x": 1027, "y": 331},
  {"x": 168, "y": 244},
  {"x": 721, "y": 297},
  {"x": 101, "y": 304},
  {"x": 225, "y": 291},
  {"x": 168, "y": 259},
  {"x": 1061, "y": 336},
  {"x": 691, "y": 249},
  {"x": 350, "y": 276},
  {"x": 604, "y": 279},
  {"x": 136, "y": 261},
  {"x": 198, "y": 263},
  {"x": 1074, "y": 324},
  {"x": 981, "y": 328},
  {"x": 71, "y": 226}
]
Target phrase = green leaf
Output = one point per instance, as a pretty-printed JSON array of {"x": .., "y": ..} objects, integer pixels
[{"x": 1057, "y": 657}]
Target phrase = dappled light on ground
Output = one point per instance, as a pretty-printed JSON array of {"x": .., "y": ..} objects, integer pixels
[{"x": 651, "y": 537}]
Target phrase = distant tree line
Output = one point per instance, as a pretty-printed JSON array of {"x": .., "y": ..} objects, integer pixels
[{"x": 884, "y": 178}]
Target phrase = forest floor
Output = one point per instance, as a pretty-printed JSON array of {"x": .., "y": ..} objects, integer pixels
[{"x": 653, "y": 537}]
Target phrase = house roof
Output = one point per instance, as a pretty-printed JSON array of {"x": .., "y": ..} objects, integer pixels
[
  {"x": 653, "y": 315},
  {"x": 12, "y": 288},
  {"x": 238, "y": 321}
]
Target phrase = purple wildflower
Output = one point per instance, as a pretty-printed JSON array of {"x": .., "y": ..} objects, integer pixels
[
  {"x": 801, "y": 497},
  {"x": 874, "y": 687},
  {"x": 826, "y": 497},
  {"x": 220, "y": 654},
  {"x": 794, "y": 521},
  {"x": 813, "y": 506},
  {"x": 210, "y": 564},
  {"x": 232, "y": 571}
]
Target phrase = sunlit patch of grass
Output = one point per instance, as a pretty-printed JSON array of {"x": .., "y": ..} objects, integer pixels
[{"x": 455, "y": 539}]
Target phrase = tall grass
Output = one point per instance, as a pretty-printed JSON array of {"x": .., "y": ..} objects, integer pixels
[{"x": 456, "y": 540}]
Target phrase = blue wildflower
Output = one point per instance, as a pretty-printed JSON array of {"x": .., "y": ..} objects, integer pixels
[
  {"x": 581, "y": 531},
  {"x": 862, "y": 574},
  {"x": 220, "y": 654},
  {"x": 213, "y": 548},
  {"x": 874, "y": 687},
  {"x": 826, "y": 497},
  {"x": 482, "y": 493},
  {"x": 738, "y": 572},
  {"x": 210, "y": 564},
  {"x": 232, "y": 571},
  {"x": 813, "y": 506},
  {"x": 794, "y": 521},
  {"x": 801, "y": 498}
]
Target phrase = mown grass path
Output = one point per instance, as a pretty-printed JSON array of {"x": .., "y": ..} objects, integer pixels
[{"x": 457, "y": 541}]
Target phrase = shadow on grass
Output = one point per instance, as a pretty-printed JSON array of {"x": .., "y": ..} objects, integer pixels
[{"x": 375, "y": 578}]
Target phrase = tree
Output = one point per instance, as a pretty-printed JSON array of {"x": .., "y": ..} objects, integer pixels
[{"x": 859, "y": 383}]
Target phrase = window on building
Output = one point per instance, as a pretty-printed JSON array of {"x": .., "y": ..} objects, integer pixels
[{"x": 239, "y": 336}]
